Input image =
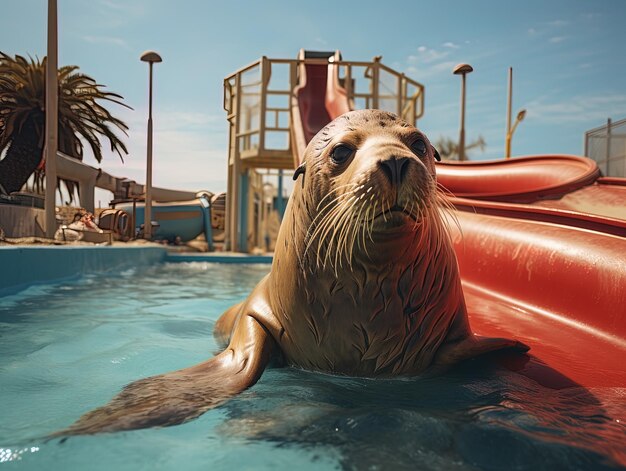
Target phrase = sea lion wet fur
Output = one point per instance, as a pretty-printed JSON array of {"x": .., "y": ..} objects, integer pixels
[{"x": 364, "y": 282}]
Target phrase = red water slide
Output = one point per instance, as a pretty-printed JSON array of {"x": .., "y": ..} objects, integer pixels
[
  {"x": 541, "y": 243},
  {"x": 543, "y": 258}
]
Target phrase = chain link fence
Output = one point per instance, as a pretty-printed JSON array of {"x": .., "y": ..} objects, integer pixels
[{"x": 607, "y": 146}]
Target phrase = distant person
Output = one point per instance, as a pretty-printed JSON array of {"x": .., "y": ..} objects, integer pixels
[{"x": 88, "y": 221}]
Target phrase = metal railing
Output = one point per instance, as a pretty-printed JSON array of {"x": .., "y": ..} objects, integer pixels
[
  {"x": 257, "y": 102},
  {"x": 607, "y": 146}
]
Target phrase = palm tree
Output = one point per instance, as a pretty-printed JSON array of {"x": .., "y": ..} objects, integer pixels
[
  {"x": 22, "y": 118},
  {"x": 449, "y": 148}
]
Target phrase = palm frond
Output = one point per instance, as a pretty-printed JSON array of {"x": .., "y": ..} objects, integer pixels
[{"x": 82, "y": 112}]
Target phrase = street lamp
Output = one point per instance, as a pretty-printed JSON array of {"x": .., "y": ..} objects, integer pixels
[
  {"x": 509, "y": 135},
  {"x": 151, "y": 57},
  {"x": 462, "y": 70}
]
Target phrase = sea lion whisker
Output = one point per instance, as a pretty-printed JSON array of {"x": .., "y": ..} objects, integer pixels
[
  {"x": 352, "y": 235},
  {"x": 442, "y": 189},
  {"x": 324, "y": 225},
  {"x": 332, "y": 212},
  {"x": 343, "y": 228},
  {"x": 348, "y": 227},
  {"x": 371, "y": 228},
  {"x": 356, "y": 236},
  {"x": 418, "y": 209},
  {"x": 356, "y": 228},
  {"x": 419, "y": 215},
  {"x": 314, "y": 229},
  {"x": 367, "y": 204},
  {"x": 440, "y": 227},
  {"x": 415, "y": 216},
  {"x": 332, "y": 193},
  {"x": 331, "y": 227},
  {"x": 338, "y": 229},
  {"x": 448, "y": 208},
  {"x": 324, "y": 244},
  {"x": 341, "y": 208},
  {"x": 355, "y": 223},
  {"x": 364, "y": 222},
  {"x": 365, "y": 225},
  {"x": 370, "y": 223},
  {"x": 333, "y": 246},
  {"x": 326, "y": 214}
]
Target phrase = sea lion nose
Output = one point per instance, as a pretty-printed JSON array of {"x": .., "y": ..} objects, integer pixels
[{"x": 395, "y": 169}]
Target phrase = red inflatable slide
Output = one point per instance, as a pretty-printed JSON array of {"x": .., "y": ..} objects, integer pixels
[{"x": 541, "y": 243}]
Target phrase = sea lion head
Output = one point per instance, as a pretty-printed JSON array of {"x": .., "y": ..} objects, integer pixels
[{"x": 368, "y": 175}]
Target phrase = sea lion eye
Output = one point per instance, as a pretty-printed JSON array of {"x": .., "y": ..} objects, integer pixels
[
  {"x": 419, "y": 147},
  {"x": 341, "y": 153}
]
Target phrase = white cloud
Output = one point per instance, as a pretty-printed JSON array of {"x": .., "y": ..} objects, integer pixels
[
  {"x": 558, "y": 23},
  {"x": 432, "y": 70},
  {"x": 578, "y": 109},
  {"x": 190, "y": 150},
  {"x": 428, "y": 62},
  {"x": 184, "y": 120},
  {"x": 549, "y": 28},
  {"x": 558, "y": 39},
  {"x": 106, "y": 40},
  {"x": 427, "y": 55}
]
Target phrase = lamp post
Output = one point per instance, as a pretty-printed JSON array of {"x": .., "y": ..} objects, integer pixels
[
  {"x": 520, "y": 117},
  {"x": 150, "y": 57},
  {"x": 509, "y": 134},
  {"x": 462, "y": 70}
]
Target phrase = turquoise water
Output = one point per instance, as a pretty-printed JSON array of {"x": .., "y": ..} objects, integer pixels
[{"x": 67, "y": 348}]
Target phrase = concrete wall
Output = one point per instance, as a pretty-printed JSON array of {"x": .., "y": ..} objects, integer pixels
[
  {"x": 21, "y": 267},
  {"x": 21, "y": 221}
]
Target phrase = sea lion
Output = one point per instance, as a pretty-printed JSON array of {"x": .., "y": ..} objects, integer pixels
[{"x": 364, "y": 282}]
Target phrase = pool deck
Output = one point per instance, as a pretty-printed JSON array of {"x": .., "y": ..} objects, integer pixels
[{"x": 27, "y": 265}]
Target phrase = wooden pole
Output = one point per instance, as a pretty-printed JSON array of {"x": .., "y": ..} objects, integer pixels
[
  {"x": 52, "y": 107},
  {"x": 507, "y": 150}
]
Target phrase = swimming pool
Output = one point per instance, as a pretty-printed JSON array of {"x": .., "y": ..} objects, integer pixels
[{"x": 69, "y": 347}]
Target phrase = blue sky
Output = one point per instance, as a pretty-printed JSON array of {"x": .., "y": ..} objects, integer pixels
[{"x": 568, "y": 59}]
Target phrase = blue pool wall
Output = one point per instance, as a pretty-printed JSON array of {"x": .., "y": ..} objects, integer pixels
[{"x": 21, "y": 267}]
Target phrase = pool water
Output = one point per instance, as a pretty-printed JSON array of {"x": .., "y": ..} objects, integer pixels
[{"x": 67, "y": 348}]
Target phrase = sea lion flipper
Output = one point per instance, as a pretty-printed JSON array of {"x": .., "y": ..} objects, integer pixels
[
  {"x": 470, "y": 347},
  {"x": 225, "y": 324},
  {"x": 182, "y": 395}
]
